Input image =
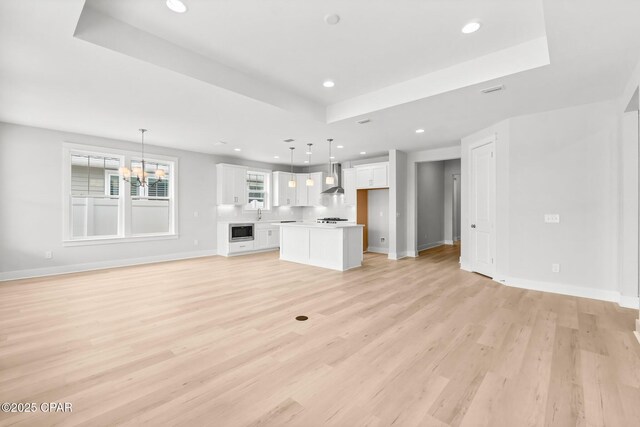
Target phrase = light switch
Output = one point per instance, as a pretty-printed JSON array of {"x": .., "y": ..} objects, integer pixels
[
  {"x": 555, "y": 268},
  {"x": 552, "y": 218}
]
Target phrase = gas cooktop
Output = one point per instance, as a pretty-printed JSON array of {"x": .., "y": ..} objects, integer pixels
[{"x": 330, "y": 220}]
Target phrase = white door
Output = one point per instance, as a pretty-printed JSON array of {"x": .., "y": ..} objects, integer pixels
[{"x": 482, "y": 209}]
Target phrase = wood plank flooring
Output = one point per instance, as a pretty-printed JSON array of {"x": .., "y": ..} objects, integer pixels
[{"x": 213, "y": 341}]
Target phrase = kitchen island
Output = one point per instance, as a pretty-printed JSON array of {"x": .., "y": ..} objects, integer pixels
[{"x": 333, "y": 246}]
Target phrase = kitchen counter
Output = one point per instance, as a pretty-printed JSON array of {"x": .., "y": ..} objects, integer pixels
[{"x": 333, "y": 246}]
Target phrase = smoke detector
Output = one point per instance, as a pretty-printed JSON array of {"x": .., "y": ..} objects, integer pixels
[{"x": 332, "y": 19}]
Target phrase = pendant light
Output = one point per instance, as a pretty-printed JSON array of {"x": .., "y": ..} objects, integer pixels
[
  {"x": 309, "y": 180},
  {"x": 137, "y": 177},
  {"x": 292, "y": 180},
  {"x": 330, "y": 180}
]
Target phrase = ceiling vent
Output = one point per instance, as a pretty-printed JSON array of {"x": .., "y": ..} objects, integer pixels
[
  {"x": 493, "y": 89},
  {"x": 363, "y": 121},
  {"x": 289, "y": 140}
]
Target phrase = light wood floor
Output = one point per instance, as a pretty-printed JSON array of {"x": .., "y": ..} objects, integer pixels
[{"x": 213, "y": 341}]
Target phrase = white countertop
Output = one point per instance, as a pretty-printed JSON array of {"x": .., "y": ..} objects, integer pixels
[
  {"x": 252, "y": 221},
  {"x": 317, "y": 225}
]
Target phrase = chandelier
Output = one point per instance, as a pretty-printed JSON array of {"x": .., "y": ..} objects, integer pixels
[{"x": 137, "y": 177}]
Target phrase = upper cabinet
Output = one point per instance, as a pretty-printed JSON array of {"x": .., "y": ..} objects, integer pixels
[
  {"x": 301, "y": 194},
  {"x": 349, "y": 185},
  {"x": 314, "y": 192},
  {"x": 231, "y": 184},
  {"x": 283, "y": 195},
  {"x": 374, "y": 175}
]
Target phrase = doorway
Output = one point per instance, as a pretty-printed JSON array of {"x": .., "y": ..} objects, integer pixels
[{"x": 438, "y": 203}]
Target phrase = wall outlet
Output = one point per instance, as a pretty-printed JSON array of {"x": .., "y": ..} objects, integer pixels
[
  {"x": 196, "y": 243},
  {"x": 555, "y": 268},
  {"x": 48, "y": 255},
  {"x": 195, "y": 214},
  {"x": 382, "y": 239},
  {"x": 381, "y": 213},
  {"x": 552, "y": 218}
]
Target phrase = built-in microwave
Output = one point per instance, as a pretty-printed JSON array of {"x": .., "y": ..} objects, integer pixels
[{"x": 240, "y": 232}]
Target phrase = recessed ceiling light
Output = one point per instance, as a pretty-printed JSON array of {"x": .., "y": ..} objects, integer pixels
[
  {"x": 332, "y": 19},
  {"x": 332, "y": 157},
  {"x": 306, "y": 161},
  {"x": 237, "y": 149},
  {"x": 177, "y": 6},
  {"x": 419, "y": 130},
  {"x": 471, "y": 27},
  {"x": 363, "y": 152},
  {"x": 328, "y": 83},
  {"x": 308, "y": 152},
  {"x": 276, "y": 157},
  {"x": 340, "y": 146}
]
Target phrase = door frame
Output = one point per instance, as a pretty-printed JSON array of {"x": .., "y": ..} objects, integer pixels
[
  {"x": 456, "y": 224},
  {"x": 472, "y": 146}
]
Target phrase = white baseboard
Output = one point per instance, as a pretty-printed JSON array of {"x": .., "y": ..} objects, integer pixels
[
  {"x": 100, "y": 265},
  {"x": 377, "y": 250},
  {"x": 447, "y": 242},
  {"x": 629, "y": 302},
  {"x": 571, "y": 290},
  {"x": 464, "y": 266},
  {"x": 397, "y": 255},
  {"x": 430, "y": 245}
]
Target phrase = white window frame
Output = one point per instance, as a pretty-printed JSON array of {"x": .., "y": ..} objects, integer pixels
[
  {"x": 107, "y": 182},
  {"x": 267, "y": 189},
  {"x": 124, "y": 197}
]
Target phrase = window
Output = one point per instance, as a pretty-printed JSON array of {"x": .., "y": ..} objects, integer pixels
[
  {"x": 258, "y": 185},
  {"x": 95, "y": 205},
  {"x": 151, "y": 204},
  {"x": 102, "y": 207}
]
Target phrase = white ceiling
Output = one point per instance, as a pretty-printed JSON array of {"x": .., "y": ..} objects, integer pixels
[
  {"x": 50, "y": 78},
  {"x": 377, "y": 42}
]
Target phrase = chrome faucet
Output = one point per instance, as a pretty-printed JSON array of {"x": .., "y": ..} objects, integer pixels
[{"x": 259, "y": 214}]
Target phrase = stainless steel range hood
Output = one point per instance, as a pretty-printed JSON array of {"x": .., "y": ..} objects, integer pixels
[{"x": 336, "y": 172}]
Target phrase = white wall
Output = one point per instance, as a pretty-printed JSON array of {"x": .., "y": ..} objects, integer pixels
[
  {"x": 31, "y": 211},
  {"x": 378, "y": 220},
  {"x": 451, "y": 168},
  {"x": 560, "y": 162},
  {"x": 398, "y": 195},
  {"x": 334, "y": 208},
  {"x": 431, "y": 204}
]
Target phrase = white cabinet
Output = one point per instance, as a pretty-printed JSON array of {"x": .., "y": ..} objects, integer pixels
[
  {"x": 273, "y": 237},
  {"x": 267, "y": 236},
  {"x": 314, "y": 193},
  {"x": 231, "y": 184},
  {"x": 283, "y": 195},
  {"x": 302, "y": 195},
  {"x": 349, "y": 185},
  {"x": 375, "y": 175}
]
